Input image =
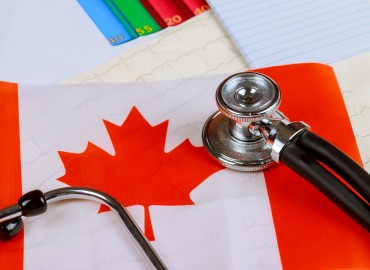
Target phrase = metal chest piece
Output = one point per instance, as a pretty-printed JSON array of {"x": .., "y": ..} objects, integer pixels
[{"x": 242, "y": 99}]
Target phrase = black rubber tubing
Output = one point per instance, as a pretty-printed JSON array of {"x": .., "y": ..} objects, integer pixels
[
  {"x": 338, "y": 161},
  {"x": 308, "y": 167}
]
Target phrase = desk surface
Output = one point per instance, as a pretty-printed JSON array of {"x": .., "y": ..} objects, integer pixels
[{"x": 40, "y": 45}]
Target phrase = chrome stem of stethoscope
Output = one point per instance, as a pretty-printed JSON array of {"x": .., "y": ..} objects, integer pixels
[
  {"x": 248, "y": 133},
  {"x": 35, "y": 202},
  {"x": 277, "y": 133}
]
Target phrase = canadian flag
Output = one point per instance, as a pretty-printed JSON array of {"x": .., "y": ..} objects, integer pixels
[{"x": 142, "y": 144}]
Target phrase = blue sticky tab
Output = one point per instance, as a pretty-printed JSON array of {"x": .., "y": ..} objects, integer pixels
[{"x": 107, "y": 23}]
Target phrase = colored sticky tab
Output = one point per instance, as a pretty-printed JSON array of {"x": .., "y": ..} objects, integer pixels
[
  {"x": 111, "y": 27},
  {"x": 138, "y": 16},
  {"x": 154, "y": 13},
  {"x": 121, "y": 18},
  {"x": 172, "y": 12},
  {"x": 196, "y": 6}
]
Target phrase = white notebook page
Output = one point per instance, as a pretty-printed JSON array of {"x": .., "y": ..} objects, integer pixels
[{"x": 274, "y": 32}]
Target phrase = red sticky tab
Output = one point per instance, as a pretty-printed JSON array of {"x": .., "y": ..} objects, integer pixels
[
  {"x": 171, "y": 12},
  {"x": 312, "y": 232},
  {"x": 154, "y": 14},
  {"x": 11, "y": 253},
  {"x": 197, "y": 6}
]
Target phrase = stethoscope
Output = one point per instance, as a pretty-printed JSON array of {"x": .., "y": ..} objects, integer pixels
[{"x": 248, "y": 133}]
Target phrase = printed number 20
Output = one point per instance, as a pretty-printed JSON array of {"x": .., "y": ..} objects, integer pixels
[{"x": 173, "y": 20}]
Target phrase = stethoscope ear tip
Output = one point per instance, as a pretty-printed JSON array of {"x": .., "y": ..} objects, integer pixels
[
  {"x": 10, "y": 228},
  {"x": 30, "y": 204}
]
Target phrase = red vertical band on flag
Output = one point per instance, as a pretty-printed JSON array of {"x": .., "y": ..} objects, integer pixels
[
  {"x": 312, "y": 232},
  {"x": 11, "y": 253}
]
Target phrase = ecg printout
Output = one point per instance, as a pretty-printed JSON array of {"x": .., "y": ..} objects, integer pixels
[{"x": 275, "y": 32}]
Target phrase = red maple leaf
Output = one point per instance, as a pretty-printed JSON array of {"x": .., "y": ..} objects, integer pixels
[{"x": 140, "y": 172}]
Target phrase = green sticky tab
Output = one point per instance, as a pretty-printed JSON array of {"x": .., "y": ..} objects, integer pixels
[
  {"x": 121, "y": 18},
  {"x": 138, "y": 16}
]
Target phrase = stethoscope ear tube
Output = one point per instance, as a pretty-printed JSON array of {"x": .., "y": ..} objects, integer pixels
[
  {"x": 309, "y": 168},
  {"x": 342, "y": 164},
  {"x": 36, "y": 202}
]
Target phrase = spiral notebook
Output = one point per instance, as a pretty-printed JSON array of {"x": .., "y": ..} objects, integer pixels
[{"x": 285, "y": 31}]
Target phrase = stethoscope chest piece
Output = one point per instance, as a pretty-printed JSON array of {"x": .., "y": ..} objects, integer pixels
[
  {"x": 242, "y": 99},
  {"x": 248, "y": 133}
]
